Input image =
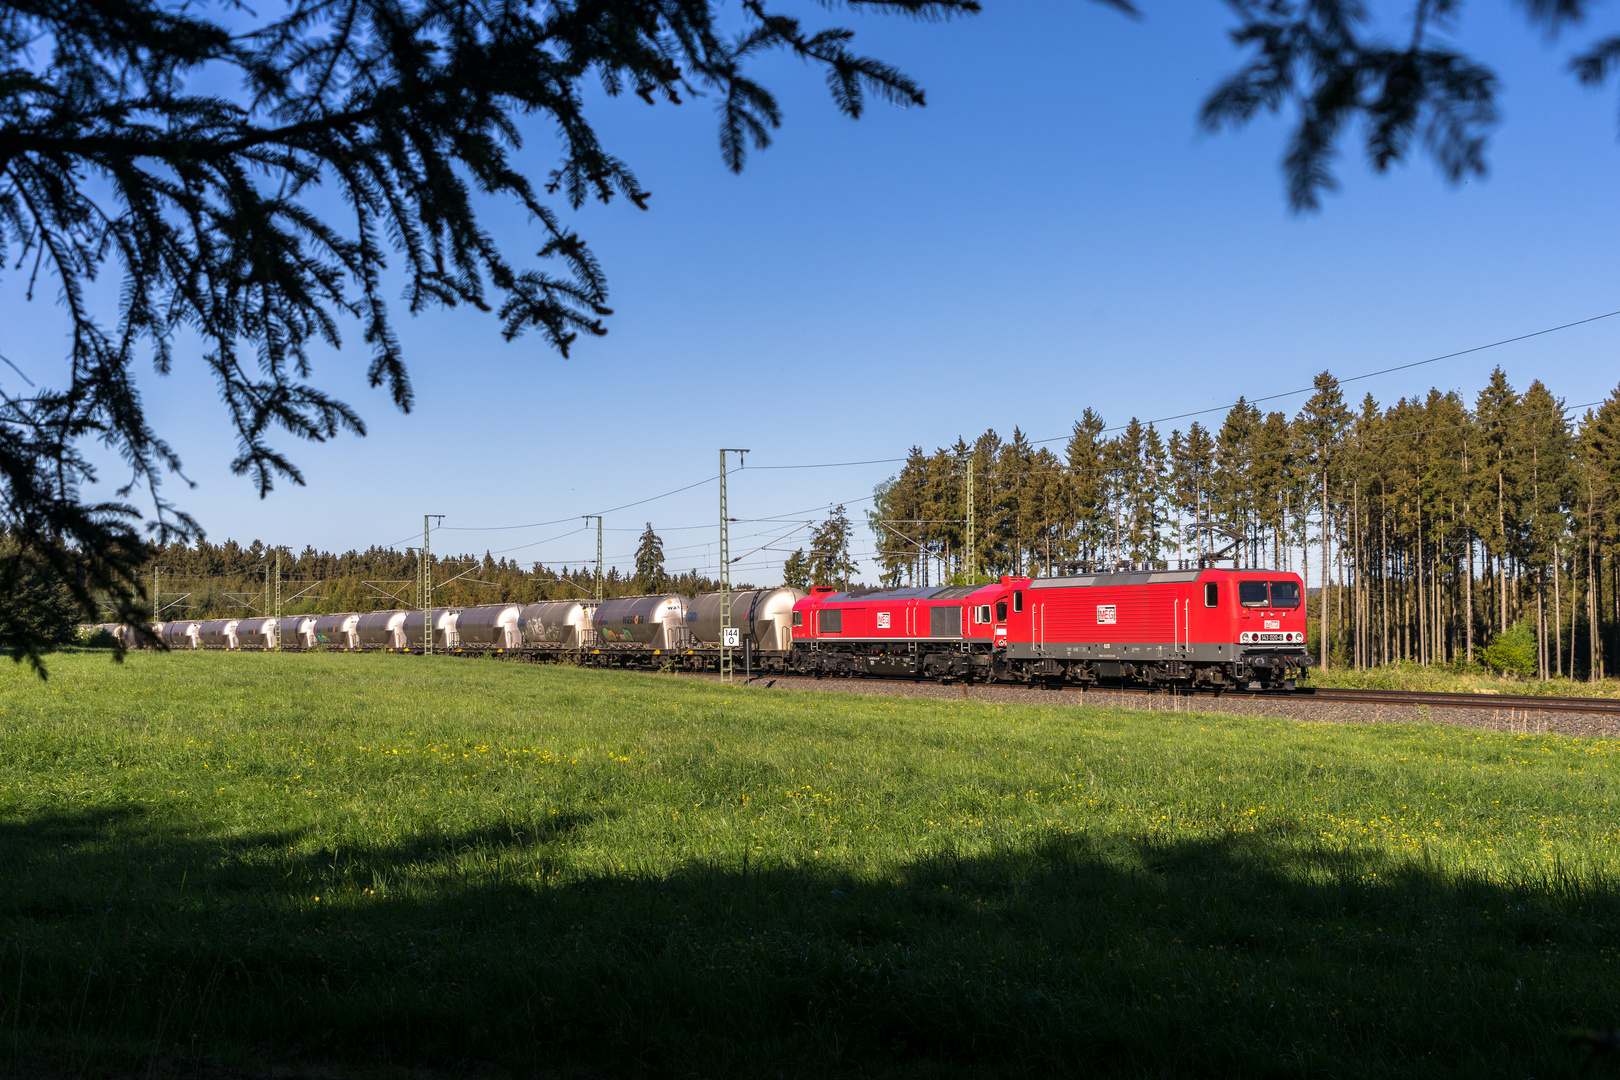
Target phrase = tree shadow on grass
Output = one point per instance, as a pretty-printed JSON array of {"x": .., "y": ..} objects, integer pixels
[{"x": 1251, "y": 954}]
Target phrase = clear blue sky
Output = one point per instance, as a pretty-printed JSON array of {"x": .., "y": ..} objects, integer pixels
[{"x": 1051, "y": 232}]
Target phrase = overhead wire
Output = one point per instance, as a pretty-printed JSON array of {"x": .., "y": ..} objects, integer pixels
[
  {"x": 1358, "y": 378},
  {"x": 791, "y": 517},
  {"x": 537, "y": 543},
  {"x": 559, "y": 521}
]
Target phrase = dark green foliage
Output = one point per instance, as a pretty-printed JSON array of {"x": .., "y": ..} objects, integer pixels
[
  {"x": 1513, "y": 651},
  {"x": 1340, "y": 72},
  {"x": 40, "y": 608},
  {"x": 121, "y": 158},
  {"x": 1322, "y": 57},
  {"x": 96, "y": 638},
  {"x": 650, "y": 562},
  {"x": 796, "y": 571},
  {"x": 830, "y": 562},
  {"x": 207, "y": 580}
]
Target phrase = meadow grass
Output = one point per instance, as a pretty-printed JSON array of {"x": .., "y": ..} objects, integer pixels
[
  {"x": 234, "y": 859},
  {"x": 1457, "y": 678}
]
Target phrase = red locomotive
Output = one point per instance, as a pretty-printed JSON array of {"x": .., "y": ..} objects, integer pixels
[{"x": 1214, "y": 628}]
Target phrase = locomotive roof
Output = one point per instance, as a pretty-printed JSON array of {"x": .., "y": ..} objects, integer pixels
[
  {"x": 1145, "y": 577},
  {"x": 940, "y": 592},
  {"x": 1140, "y": 577}
]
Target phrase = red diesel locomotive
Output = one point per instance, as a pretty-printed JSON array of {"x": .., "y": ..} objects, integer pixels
[{"x": 1211, "y": 628}]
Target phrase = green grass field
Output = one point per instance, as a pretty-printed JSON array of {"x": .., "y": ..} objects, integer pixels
[
  {"x": 1406, "y": 675},
  {"x": 442, "y": 864}
]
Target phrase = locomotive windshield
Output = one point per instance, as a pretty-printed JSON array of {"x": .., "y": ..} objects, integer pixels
[
  {"x": 1252, "y": 593},
  {"x": 1268, "y": 593},
  {"x": 1285, "y": 594}
]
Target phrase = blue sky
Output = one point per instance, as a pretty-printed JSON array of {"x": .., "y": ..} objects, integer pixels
[{"x": 1050, "y": 233}]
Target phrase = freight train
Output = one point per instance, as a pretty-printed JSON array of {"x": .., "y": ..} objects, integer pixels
[{"x": 1197, "y": 628}]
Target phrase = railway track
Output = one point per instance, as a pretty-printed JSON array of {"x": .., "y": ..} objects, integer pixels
[
  {"x": 1432, "y": 698},
  {"x": 1517, "y": 703},
  {"x": 1436, "y": 699}
]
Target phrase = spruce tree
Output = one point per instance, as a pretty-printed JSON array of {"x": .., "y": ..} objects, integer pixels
[
  {"x": 1087, "y": 474},
  {"x": 830, "y": 561},
  {"x": 1547, "y": 450},
  {"x": 650, "y": 575},
  {"x": 1597, "y": 511},
  {"x": 1233, "y": 495},
  {"x": 1270, "y": 475},
  {"x": 1322, "y": 422},
  {"x": 796, "y": 571},
  {"x": 1496, "y": 412},
  {"x": 1193, "y": 466}
]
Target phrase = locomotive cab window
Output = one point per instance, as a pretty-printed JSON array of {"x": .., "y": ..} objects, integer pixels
[
  {"x": 981, "y": 614},
  {"x": 798, "y": 618},
  {"x": 1253, "y": 594},
  {"x": 1212, "y": 595},
  {"x": 1285, "y": 594},
  {"x": 1018, "y": 600},
  {"x": 1001, "y": 611}
]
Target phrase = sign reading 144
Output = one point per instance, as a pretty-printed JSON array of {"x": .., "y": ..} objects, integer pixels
[{"x": 731, "y": 637}]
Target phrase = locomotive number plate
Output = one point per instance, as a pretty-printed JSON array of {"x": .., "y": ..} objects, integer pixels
[
  {"x": 1264, "y": 638},
  {"x": 1107, "y": 614},
  {"x": 883, "y": 620}
]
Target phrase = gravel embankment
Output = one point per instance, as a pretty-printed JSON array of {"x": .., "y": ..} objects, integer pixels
[{"x": 1343, "y": 712}]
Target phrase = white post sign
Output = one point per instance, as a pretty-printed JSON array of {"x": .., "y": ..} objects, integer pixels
[{"x": 731, "y": 637}]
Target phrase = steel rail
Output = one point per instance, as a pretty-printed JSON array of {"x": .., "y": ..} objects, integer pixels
[
  {"x": 1410, "y": 698},
  {"x": 1442, "y": 699},
  {"x": 1304, "y": 695}
]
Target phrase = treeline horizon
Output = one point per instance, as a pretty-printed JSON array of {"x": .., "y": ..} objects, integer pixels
[
  {"x": 1423, "y": 527},
  {"x": 230, "y": 580}
]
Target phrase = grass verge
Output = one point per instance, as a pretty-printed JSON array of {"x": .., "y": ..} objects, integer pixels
[
  {"x": 1457, "y": 679},
  {"x": 235, "y": 858}
]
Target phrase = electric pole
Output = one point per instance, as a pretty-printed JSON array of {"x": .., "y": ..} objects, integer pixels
[
  {"x": 729, "y": 638},
  {"x": 277, "y": 608},
  {"x": 972, "y": 566},
  {"x": 426, "y": 586},
  {"x": 599, "y": 585}
]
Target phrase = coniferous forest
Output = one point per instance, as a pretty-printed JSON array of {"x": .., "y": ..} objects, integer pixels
[
  {"x": 1425, "y": 528},
  {"x": 206, "y": 580}
]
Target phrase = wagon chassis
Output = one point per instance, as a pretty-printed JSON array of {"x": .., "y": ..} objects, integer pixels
[{"x": 944, "y": 662}]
